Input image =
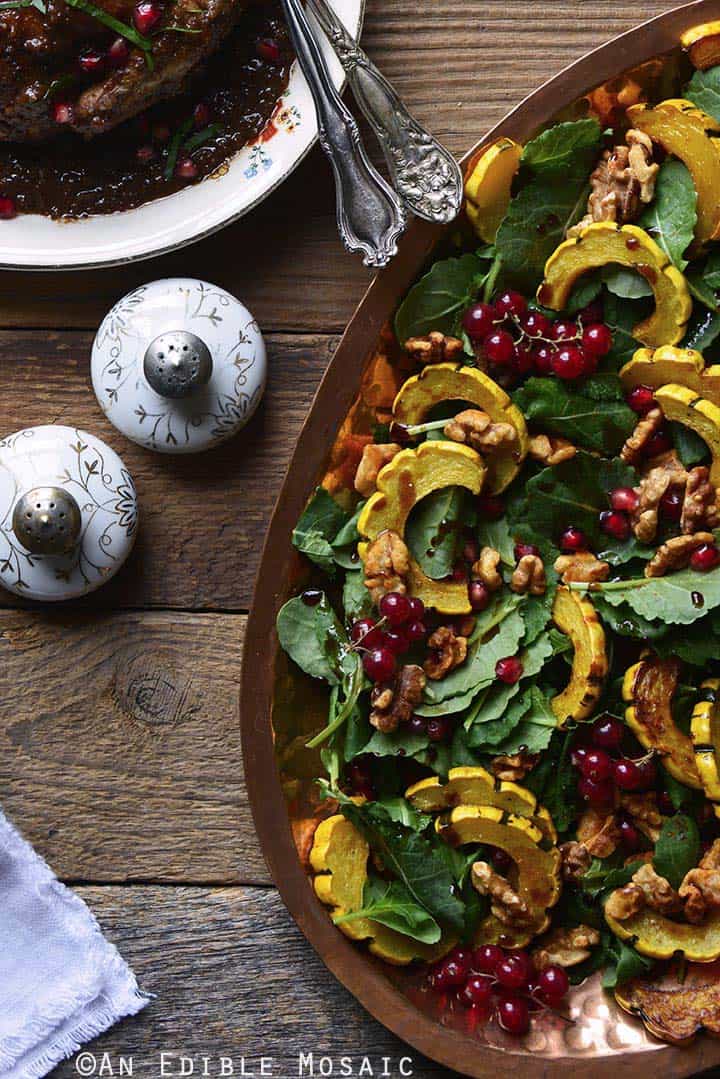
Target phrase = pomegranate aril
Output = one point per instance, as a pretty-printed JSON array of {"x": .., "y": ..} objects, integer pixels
[
  {"x": 629, "y": 835},
  {"x": 8, "y": 209},
  {"x": 569, "y": 362},
  {"x": 511, "y": 303},
  {"x": 597, "y": 340},
  {"x": 514, "y": 1015},
  {"x": 417, "y": 725},
  {"x": 607, "y": 732},
  {"x": 479, "y": 596},
  {"x": 269, "y": 49},
  {"x": 535, "y": 324},
  {"x": 573, "y": 539},
  {"x": 596, "y": 765},
  {"x": 440, "y": 728},
  {"x": 479, "y": 321},
  {"x": 641, "y": 399},
  {"x": 91, "y": 61},
  {"x": 511, "y": 972},
  {"x": 147, "y": 15},
  {"x": 671, "y": 504},
  {"x": 395, "y": 607},
  {"x": 553, "y": 984},
  {"x": 379, "y": 664},
  {"x": 365, "y": 632},
  {"x": 523, "y": 549},
  {"x": 119, "y": 53},
  {"x": 596, "y": 794},
  {"x": 499, "y": 348},
  {"x": 486, "y": 958},
  {"x": 62, "y": 112},
  {"x": 509, "y": 670},
  {"x": 564, "y": 331},
  {"x": 615, "y": 524},
  {"x": 705, "y": 558},
  {"x": 477, "y": 990},
  {"x": 186, "y": 169},
  {"x": 624, "y": 499}
]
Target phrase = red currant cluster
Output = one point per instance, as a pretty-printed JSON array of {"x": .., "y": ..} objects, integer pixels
[
  {"x": 400, "y": 627},
  {"x": 603, "y": 770},
  {"x": 489, "y": 980},
  {"x": 522, "y": 341}
]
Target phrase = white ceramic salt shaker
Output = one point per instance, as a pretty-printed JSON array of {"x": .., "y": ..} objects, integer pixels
[
  {"x": 68, "y": 513},
  {"x": 179, "y": 365}
]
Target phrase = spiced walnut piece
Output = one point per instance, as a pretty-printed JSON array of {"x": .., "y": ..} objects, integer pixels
[
  {"x": 434, "y": 348},
  {"x": 646, "y": 889},
  {"x": 505, "y": 903},
  {"x": 529, "y": 576},
  {"x": 700, "y": 506},
  {"x": 676, "y": 553},
  {"x": 622, "y": 182},
  {"x": 700, "y": 887},
  {"x": 582, "y": 567},
  {"x": 395, "y": 703},
  {"x": 575, "y": 860},
  {"x": 387, "y": 565},
  {"x": 666, "y": 475},
  {"x": 373, "y": 460},
  {"x": 565, "y": 947},
  {"x": 474, "y": 428},
  {"x": 447, "y": 651},
  {"x": 486, "y": 569},
  {"x": 515, "y": 766},
  {"x": 549, "y": 450},
  {"x": 635, "y": 445}
]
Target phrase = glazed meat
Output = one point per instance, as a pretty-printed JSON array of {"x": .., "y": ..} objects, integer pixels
[{"x": 40, "y": 63}]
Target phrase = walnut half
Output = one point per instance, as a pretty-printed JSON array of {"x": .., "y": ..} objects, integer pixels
[
  {"x": 505, "y": 903},
  {"x": 447, "y": 651},
  {"x": 435, "y": 348},
  {"x": 394, "y": 704},
  {"x": 387, "y": 565}
]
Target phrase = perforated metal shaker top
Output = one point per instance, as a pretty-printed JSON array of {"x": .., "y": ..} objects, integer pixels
[
  {"x": 47, "y": 520},
  {"x": 177, "y": 364}
]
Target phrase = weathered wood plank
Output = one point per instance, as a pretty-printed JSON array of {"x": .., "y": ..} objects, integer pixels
[
  {"x": 202, "y": 518},
  {"x": 461, "y": 64},
  {"x": 234, "y": 978},
  {"x": 120, "y": 745}
]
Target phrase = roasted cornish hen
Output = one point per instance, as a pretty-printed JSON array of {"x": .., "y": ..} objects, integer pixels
[{"x": 65, "y": 55}]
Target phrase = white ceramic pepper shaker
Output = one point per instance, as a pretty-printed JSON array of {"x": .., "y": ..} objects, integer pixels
[
  {"x": 68, "y": 513},
  {"x": 179, "y": 365}
]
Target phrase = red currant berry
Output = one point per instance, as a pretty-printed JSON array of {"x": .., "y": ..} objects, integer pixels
[
  {"x": 417, "y": 725},
  {"x": 573, "y": 539},
  {"x": 417, "y": 607},
  {"x": 671, "y": 504},
  {"x": 647, "y": 773},
  {"x": 658, "y": 443},
  {"x": 440, "y": 728},
  {"x": 379, "y": 664},
  {"x": 624, "y": 499},
  {"x": 415, "y": 631},
  {"x": 523, "y": 549},
  {"x": 514, "y": 1015},
  {"x": 479, "y": 596},
  {"x": 511, "y": 303},
  {"x": 597, "y": 339},
  {"x": 461, "y": 955},
  {"x": 479, "y": 321},
  {"x": 596, "y": 766},
  {"x": 486, "y": 958},
  {"x": 491, "y": 507},
  {"x": 564, "y": 331},
  {"x": 477, "y": 990},
  {"x": 511, "y": 972},
  {"x": 615, "y": 524},
  {"x": 395, "y": 607},
  {"x": 499, "y": 348},
  {"x": 269, "y": 49},
  {"x": 592, "y": 313},
  {"x": 553, "y": 984},
  {"x": 524, "y": 357},
  {"x": 607, "y": 732},
  {"x": 543, "y": 359},
  {"x": 626, "y": 774},
  {"x": 629, "y": 835},
  {"x": 397, "y": 641},
  {"x": 641, "y": 400},
  {"x": 535, "y": 324},
  {"x": 569, "y": 362},
  {"x": 450, "y": 974},
  {"x": 147, "y": 14},
  {"x": 364, "y": 632},
  {"x": 705, "y": 558},
  {"x": 596, "y": 794},
  {"x": 8, "y": 209},
  {"x": 522, "y": 957},
  {"x": 509, "y": 670},
  {"x": 578, "y": 755}
]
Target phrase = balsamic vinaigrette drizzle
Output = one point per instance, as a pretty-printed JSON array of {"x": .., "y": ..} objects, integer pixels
[{"x": 238, "y": 91}]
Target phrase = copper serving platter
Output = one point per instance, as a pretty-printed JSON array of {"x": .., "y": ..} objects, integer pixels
[{"x": 278, "y": 706}]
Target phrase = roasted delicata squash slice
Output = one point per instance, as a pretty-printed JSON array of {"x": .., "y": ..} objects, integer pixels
[
  {"x": 655, "y": 935},
  {"x": 603, "y": 243},
  {"x": 447, "y": 382},
  {"x": 649, "y": 687},
  {"x": 705, "y": 733},
  {"x": 684, "y": 406},
  {"x": 339, "y": 860},
  {"x": 575, "y": 615},
  {"x": 689, "y": 134},
  {"x": 680, "y": 366},
  {"x": 702, "y": 44},
  {"x": 488, "y": 186},
  {"x": 475, "y": 786},
  {"x": 537, "y": 871},
  {"x": 674, "y": 1005},
  {"x": 404, "y": 482}
]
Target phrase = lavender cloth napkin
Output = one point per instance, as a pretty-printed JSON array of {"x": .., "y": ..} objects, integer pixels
[{"x": 61, "y": 982}]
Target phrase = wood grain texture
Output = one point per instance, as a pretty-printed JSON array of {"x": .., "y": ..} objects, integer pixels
[
  {"x": 460, "y": 64},
  {"x": 233, "y": 977},
  {"x": 120, "y": 744},
  {"x": 202, "y": 517}
]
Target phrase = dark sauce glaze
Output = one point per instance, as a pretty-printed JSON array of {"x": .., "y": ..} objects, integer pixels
[{"x": 71, "y": 177}]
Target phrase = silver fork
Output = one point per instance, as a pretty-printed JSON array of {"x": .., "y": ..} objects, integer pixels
[
  {"x": 370, "y": 215},
  {"x": 424, "y": 173}
]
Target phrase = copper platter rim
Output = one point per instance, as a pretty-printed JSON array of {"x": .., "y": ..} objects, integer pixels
[{"x": 362, "y": 976}]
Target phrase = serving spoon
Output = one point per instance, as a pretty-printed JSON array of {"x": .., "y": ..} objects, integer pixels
[
  {"x": 370, "y": 216},
  {"x": 425, "y": 175}
]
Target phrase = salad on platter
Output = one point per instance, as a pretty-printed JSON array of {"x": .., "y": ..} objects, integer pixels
[{"x": 513, "y": 593}]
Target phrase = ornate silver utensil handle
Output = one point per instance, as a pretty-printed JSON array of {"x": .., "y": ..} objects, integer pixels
[
  {"x": 424, "y": 173},
  {"x": 370, "y": 216}
]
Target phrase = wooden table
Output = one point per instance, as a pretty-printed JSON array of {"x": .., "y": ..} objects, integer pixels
[{"x": 120, "y": 749}]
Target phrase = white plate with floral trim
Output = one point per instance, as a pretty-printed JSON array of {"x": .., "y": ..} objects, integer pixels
[{"x": 34, "y": 242}]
